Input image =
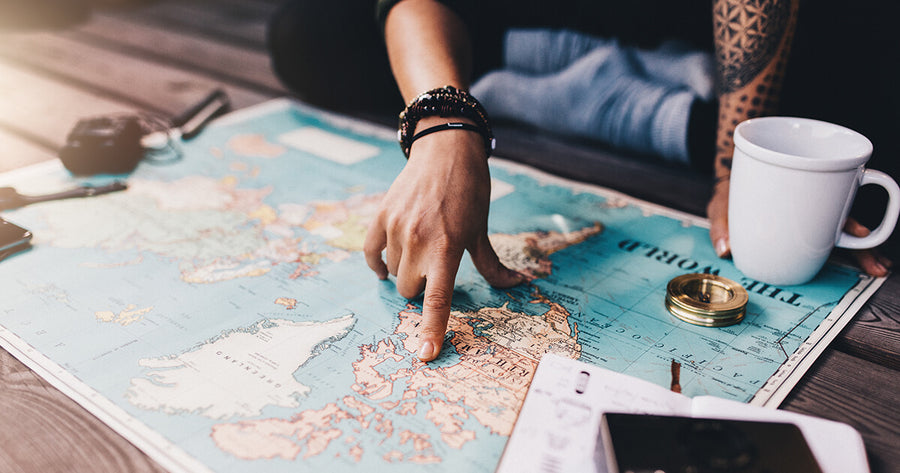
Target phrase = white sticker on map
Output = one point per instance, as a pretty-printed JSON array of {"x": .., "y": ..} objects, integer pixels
[{"x": 329, "y": 145}]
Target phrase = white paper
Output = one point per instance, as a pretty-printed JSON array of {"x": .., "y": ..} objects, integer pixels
[{"x": 558, "y": 425}]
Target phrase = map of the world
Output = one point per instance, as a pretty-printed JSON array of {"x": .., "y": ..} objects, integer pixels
[{"x": 220, "y": 313}]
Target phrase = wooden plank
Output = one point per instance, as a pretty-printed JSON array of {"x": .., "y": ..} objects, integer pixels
[
  {"x": 43, "y": 430},
  {"x": 43, "y": 110},
  {"x": 16, "y": 152},
  {"x": 862, "y": 394},
  {"x": 874, "y": 334},
  {"x": 675, "y": 187},
  {"x": 236, "y": 64},
  {"x": 148, "y": 85},
  {"x": 235, "y": 22}
]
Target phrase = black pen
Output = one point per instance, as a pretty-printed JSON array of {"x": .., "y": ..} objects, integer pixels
[
  {"x": 10, "y": 199},
  {"x": 192, "y": 121}
]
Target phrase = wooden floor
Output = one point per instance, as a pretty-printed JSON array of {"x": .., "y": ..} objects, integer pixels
[{"x": 161, "y": 57}]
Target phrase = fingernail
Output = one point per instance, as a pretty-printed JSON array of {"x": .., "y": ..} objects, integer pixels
[
  {"x": 426, "y": 351},
  {"x": 721, "y": 247}
]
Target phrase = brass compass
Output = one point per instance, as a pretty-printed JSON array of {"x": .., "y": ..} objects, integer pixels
[{"x": 706, "y": 299}]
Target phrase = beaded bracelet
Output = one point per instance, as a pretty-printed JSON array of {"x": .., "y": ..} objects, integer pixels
[{"x": 447, "y": 101}]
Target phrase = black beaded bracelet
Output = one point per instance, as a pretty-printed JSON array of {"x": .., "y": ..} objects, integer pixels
[
  {"x": 447, "y": 101},
  {"x": 489, "y": 142}
]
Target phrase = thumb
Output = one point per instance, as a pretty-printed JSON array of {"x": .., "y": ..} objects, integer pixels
[
  {"x": 717, "y": 211},
  {"x": 718, "y": 233},
  {"x": 488, "y": 264}
]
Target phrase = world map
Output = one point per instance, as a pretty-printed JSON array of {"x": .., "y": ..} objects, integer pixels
[{"x": 222, "y": 307}]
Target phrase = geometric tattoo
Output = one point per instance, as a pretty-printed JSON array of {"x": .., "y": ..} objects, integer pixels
[{"x": 748, "y": 34}]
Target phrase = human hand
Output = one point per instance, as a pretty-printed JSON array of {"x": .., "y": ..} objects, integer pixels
[
  {"x": 870, "y": 260},
  {"x": 436, "y": 208}
]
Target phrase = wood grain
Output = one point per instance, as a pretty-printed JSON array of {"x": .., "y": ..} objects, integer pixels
[
  {"x": 16, "y": 152},
  {"x": 236, "y": 22},
  {"x": 862, "y": 394},
  {"x": 644, "y": 178},
  {"x": 42, "y": 430},
  {"x": 187, "y": 50},
  {"x": 151, "y": 86},
  {"x": 42, "y": 110},
  {"x": 874, "y": 334}
]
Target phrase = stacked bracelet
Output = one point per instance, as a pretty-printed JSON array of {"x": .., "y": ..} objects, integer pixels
[{"x": 447, "y": 101}]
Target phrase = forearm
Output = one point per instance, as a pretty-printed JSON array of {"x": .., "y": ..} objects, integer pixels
[
  {"x": 437, "y": 208},
  {"x": 428, "y": 47},
  {"x": 752, "y": 45}
]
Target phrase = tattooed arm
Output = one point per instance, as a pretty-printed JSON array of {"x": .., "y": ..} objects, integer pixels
[{"x": 752, "y": 43}]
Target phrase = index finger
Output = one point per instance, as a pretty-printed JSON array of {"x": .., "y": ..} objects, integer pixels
[{"x": 436, "y": 309}]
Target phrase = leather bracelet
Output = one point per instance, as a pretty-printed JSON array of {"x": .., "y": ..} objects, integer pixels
[
  {"x": 447, "y": 101},
  {"x": 490, "y": 143}
]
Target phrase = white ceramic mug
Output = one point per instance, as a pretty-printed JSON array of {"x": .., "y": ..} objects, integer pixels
[{"x": 792, "y": 184}]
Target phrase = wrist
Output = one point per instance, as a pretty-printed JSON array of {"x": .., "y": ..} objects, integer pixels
[
  {"x": 447, "y": 141},
  {"x": 454, "y": 145}
]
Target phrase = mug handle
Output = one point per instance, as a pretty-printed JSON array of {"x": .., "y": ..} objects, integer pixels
[{"x": 880, "y": 234}]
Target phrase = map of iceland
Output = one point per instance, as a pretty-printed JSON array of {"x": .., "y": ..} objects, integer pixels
[{"x": 223, "y": 303}]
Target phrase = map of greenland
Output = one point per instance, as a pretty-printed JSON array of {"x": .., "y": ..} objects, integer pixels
[{"x": 238, "y": 373}]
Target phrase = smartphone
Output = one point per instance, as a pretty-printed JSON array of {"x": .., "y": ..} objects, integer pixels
[
  {"x": 635, "y": 443},
  {"x": 12, "y": 237}
]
